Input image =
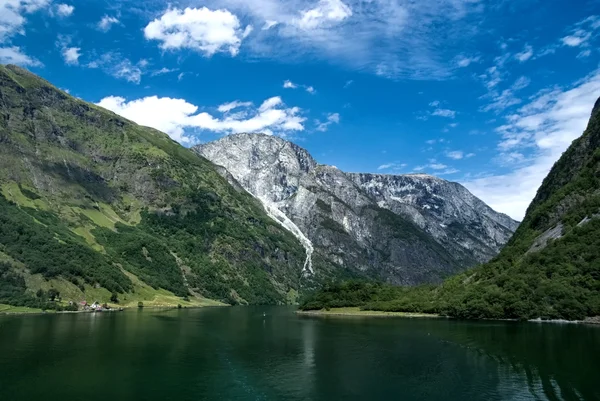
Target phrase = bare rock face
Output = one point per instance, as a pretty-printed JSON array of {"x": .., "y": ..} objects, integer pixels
[{"x": 407, "y": 229}]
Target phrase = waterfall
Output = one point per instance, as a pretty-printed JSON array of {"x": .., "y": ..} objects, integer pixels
[{"x": 277, "y": 215}]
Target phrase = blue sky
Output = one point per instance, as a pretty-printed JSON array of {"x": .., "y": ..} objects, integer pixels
[{"x": 485, "y": 93}]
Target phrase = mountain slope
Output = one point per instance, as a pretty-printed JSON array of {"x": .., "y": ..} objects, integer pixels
[
  {"x": 91, "y": 201},
  {"x": 550, "y": 268},
  {"x": 404, "y": 229}
]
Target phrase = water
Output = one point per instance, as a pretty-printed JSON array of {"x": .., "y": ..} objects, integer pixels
[{"x": 269, "y": 353}]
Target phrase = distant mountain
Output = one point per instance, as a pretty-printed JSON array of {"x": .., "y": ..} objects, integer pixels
[
  {"x": 96, "y": 207},
  {"x": 406, "y": 229},
  {"x": 550, "y": 269}
]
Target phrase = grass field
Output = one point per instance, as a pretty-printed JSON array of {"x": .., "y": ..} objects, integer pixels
[{"x": 17, "y": 309}]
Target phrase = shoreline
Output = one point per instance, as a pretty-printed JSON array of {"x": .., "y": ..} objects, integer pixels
[
  {"x": 35, "y": 312},
  {"x": 357, "y": 312}
]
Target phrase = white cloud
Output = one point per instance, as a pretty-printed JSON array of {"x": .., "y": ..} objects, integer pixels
[
  {"x": 348, "y": 83},
  {"x": 465, "y": 61},
  {"x": 577, "y": 39},
  {"x": 581, "y": 33},
  {"x": 327, "y": 12},
  {"x": 198, "y": 29},
  {"x": 391, "y": 38},
  {"x": 435, "y": 103},
  {"x": 434, "y": 141},
  {"x": 127, "y": 71},
  {"x": 444, "y": 113},
  {"x": 448, "y": 171},
  {"x": 12, "y": 17},
  {"x": 543, "y": 128},
  {"x": 71, "y": 55},
  {"x": 507, "y": 98},
  {"x": 227, "y": 107},
  {"x": 164, "y": 71},
  {"x": 287, "y": 84},
  {"x": 14, "y": 55},
  {"x": 438, "y": 166},
  {"x": 269, "y": 24},
  {"x": 119, "y": 67},
  {"x": 455, "y": 154},
  {"x": 525, "y": 55},
  {"x": 270, "y": 103},
  {"x": 584, "y": 53},
  {"x": 176, "y": 116},
  {"x": 64, "y": 10},
  {"x": 395, "y": 166},
  {"x": 107, "y": 22},
  {"x": 332, "y": 118}
]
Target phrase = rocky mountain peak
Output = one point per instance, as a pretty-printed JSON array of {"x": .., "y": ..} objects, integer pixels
[{"x": 405, "y": 228}]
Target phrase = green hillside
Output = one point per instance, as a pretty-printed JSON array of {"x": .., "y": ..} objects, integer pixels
[
  {"x": 550, "y": 269},
  {"x": 96, "y": 207}
]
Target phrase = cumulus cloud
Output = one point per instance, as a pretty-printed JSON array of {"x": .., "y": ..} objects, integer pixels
[
  {"x": 289, "y": 84},
  {"x": 64, "y": 10},
  {"x": 201, "y": 29},
  {"x": 326, "y": 12},
  {"x": 107, "y": 22},
  {"x": 177, "y": 117},
  {"x": 71, "y": 55},
  {"x": 543, "y": 128},
  {"x": 12, "y": 15},
  {"x": 14, "y": 55}
]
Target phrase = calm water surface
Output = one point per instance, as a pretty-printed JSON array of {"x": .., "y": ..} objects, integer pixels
[{"x": 241, "y": 354}]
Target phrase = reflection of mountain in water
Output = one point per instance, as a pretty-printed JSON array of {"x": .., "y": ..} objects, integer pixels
[{"x": 560, "y": 361}]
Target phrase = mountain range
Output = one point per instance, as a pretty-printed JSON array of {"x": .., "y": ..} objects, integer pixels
[
  {"x": 96, "y": 206},
  {"x": 405, "y": 229},
  {"x": 550, "y": 268}
]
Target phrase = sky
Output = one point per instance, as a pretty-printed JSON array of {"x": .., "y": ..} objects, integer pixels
[{"x": 485, "y": 93}]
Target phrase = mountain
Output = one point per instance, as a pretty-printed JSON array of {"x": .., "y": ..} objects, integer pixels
[
  {"x": 96, "y": 207},
  {"x": 550, "y": 269},
  {"x": 405, "y": 229}
]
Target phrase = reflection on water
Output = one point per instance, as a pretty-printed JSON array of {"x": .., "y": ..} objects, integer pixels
[{"x": 269, "y": 353}]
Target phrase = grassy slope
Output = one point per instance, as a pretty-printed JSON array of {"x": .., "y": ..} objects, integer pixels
[
  {"x": 560, "y": 281},
  {"x": 127, "y": 202}
]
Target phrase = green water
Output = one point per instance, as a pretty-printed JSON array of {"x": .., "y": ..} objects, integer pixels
[{"x": 269, "y": 353}]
